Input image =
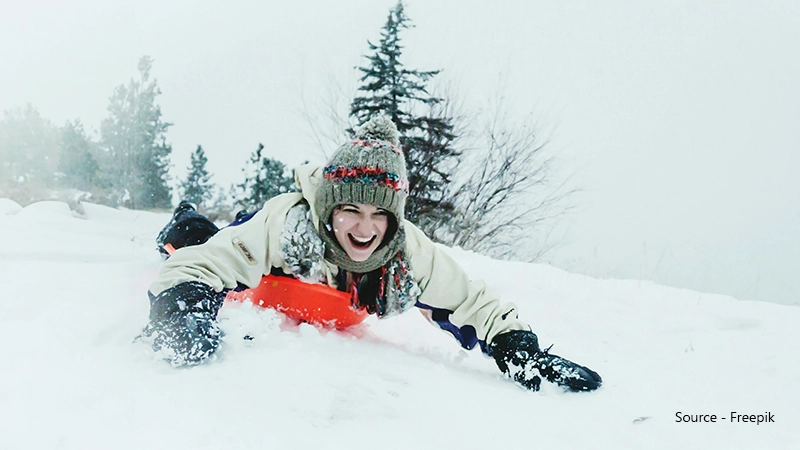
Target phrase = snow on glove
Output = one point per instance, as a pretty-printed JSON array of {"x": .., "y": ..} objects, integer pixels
[
  {"x": 183, "y": 325},
  {"x": 518, "y": 355}
]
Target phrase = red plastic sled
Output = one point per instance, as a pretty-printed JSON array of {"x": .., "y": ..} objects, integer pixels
[{"x": 312, "y": 303}]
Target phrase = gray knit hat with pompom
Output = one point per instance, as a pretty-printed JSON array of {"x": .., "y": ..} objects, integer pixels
[{"x": 370, "y": 169}]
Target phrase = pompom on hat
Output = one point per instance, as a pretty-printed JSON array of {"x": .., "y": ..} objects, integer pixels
[{"x": 371, "y": 170}]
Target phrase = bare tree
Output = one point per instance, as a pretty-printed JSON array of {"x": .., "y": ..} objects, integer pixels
[
  {"x": 505, "y": 194},
  {"x": 328, "y": 116}
]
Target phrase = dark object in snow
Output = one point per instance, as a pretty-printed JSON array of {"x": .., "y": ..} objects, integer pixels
[
  {"x": 241, "y": 214},
  {"x": 183, "y": 323},
  {"x": 518, "y": 355},
  {"x": 187, "y": 227}
]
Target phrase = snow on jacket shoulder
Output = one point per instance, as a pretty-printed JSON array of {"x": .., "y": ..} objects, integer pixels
[{"x": 244, "y": 253}]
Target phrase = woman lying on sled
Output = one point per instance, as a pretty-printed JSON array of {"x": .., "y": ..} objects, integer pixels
[{"x": 346, "y": 230}]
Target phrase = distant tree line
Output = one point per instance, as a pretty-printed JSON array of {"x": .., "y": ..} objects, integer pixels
[
  {"x": 128, "y": 166},
  {"x": 482, "y": 187}
]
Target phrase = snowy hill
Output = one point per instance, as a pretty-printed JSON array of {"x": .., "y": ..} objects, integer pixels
[{"x": 71, "y": 377}]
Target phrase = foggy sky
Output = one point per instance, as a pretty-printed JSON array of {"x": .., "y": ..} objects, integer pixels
[{"x": 679, "y": 120}]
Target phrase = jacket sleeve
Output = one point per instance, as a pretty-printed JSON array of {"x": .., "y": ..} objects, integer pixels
[
  {"x": 466, "y": 308},
  {"x": 237, "y": 254}
]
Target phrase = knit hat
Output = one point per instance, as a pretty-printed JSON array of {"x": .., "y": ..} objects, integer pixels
[{"x": 370, "y": 169}]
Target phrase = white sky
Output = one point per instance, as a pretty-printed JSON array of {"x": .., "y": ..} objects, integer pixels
[{"x": 680, "y": 119}]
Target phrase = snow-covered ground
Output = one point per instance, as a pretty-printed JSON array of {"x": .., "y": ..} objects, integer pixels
[{"x": 73, "y": 299}]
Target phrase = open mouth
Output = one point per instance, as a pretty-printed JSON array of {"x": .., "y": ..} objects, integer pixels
[{"x": 361, "y": 242}]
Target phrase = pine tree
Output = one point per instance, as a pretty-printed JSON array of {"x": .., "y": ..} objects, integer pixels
[
  {"x": 264, "y": 178},
  {"x": 134, "y": 137},
  {"x": 197, "y": 188},
  {"x": 29, "y": 155},
  {"x": 77, "y": 164},
  {"x": 220, "y": 208},
  {"x": 390, "y": 89}
]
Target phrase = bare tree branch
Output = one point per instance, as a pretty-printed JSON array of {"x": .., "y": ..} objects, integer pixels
[
  {"x": 507, "y": 194},
  {"x": 328, "y": 116}
]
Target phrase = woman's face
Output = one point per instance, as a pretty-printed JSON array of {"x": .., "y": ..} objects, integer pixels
[{"x": 359, "y": 228}]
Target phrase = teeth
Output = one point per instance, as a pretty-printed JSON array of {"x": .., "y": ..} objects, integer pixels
[{"x": 362, "y": 240}]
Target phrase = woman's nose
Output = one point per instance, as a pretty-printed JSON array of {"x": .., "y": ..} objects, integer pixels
[{"x": 365, "y": 225}]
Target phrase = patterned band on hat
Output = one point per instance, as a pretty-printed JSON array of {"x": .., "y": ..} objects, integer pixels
[{"x": 366, "y": 175}]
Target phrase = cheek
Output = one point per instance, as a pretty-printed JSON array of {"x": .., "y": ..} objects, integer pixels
[{"x": 341, "y": 223}]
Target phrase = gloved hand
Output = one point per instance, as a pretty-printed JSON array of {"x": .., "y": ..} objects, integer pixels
[
  {"x": 183, "y": 323},
  {"x": 518, "y": 355}
]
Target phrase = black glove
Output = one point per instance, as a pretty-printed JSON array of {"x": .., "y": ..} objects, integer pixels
[
  {"x": 183, "y": 323},
  {"x": 187, "y": 227},
  {"x": 518, "y": 355}
]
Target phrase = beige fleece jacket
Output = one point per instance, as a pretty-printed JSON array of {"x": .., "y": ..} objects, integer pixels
[{"x": 244, "y": 253}]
